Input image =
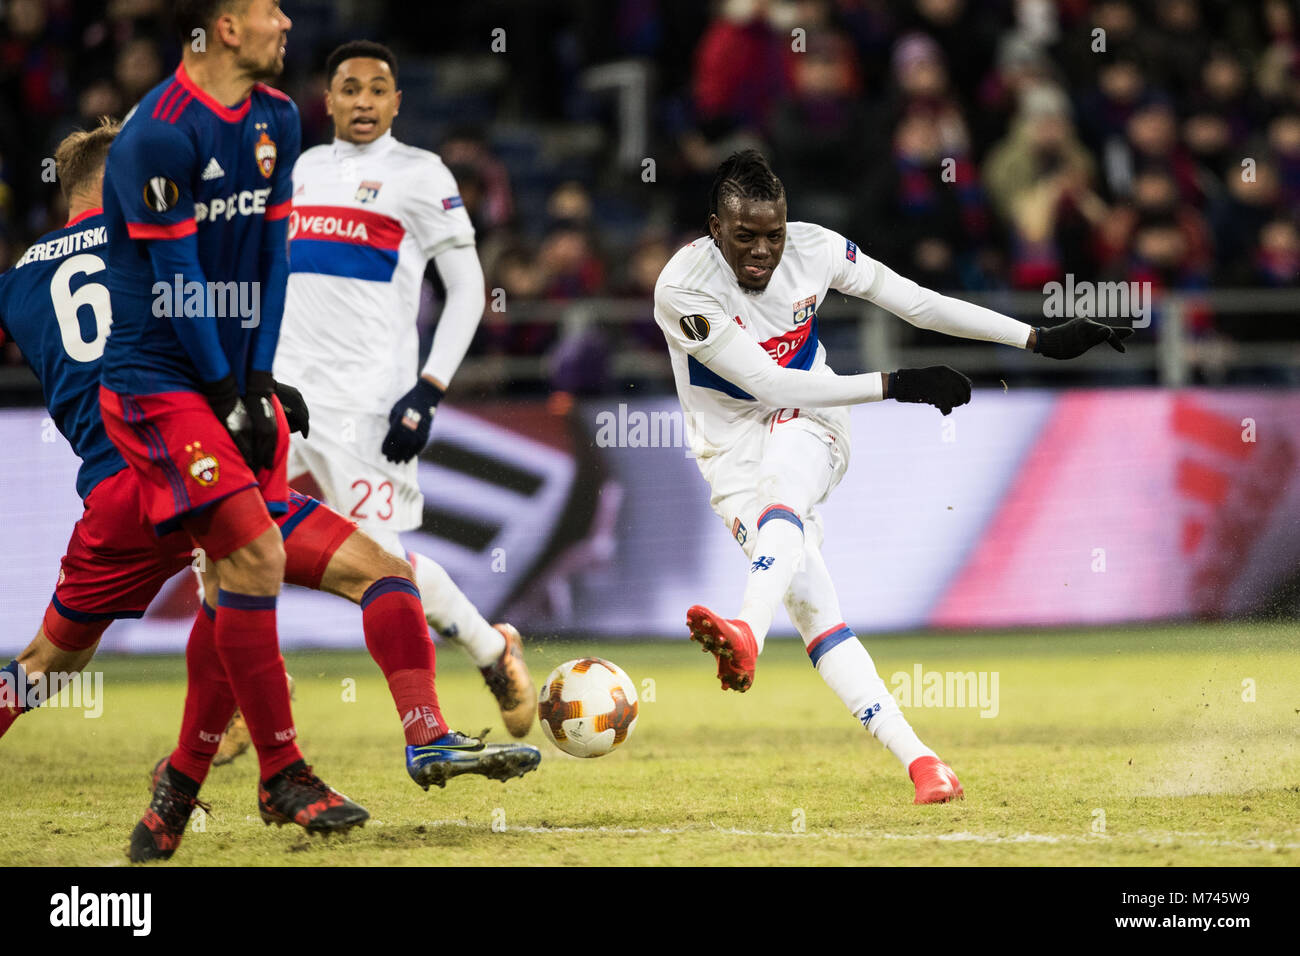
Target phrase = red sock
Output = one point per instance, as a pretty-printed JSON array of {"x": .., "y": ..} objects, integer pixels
[
  {"x": 209, "y": 701},
  {"x": 250, "y": 652},
  {"x": 397, "y": 637},
  {"x": 7, "y": 717}
]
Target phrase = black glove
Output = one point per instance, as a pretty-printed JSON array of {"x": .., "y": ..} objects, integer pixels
[
  {"x": 943, "y": 387},
  {"x": 295, "y": 408},
  {"x": 410, "y": 420},
  {"x": 1073, "y": 338},
  {"x": 264, "y": 430},
  {"x": 229, "y": 408}
]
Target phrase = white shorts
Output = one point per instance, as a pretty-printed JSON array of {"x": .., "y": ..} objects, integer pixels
[
  {"x": 343, "y": 455},
  {"x": 752, "y": 461}
]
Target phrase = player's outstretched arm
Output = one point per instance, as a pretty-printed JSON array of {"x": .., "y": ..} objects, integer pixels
[
  {"x": 740, "y": 360},
  {"x": 927, "y": 309}
]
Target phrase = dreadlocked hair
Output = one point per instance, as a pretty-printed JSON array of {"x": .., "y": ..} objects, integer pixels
[{"x": 744, "y": 175}]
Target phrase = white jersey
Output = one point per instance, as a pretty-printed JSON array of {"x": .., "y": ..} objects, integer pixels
[
  {"x": 366, "y": 220},
  {"x": 697, "y": 290}
]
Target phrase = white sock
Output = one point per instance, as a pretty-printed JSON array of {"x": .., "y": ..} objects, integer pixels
[
  {"x": 844, "y": 663},
  {"x": 452, "y": 614},
  {"x": 777, "y": 555}
]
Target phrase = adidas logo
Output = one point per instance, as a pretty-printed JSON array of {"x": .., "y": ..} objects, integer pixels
[{"x": 213, "y": 170}]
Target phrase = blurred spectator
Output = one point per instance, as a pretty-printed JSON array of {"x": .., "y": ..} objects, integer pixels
[
  {"x": 1106, "y": 107},
  {"x": 1250, "y": 201},
  {"x": 569, "y": 262},
  {"x": 1154, "y": 202},
  {"x": 742, "y": 67},
  {"x": 965, "y": 35},
  {"x": 139, "y": 69},
  {"x": 1225, "y": 91},
  {"x": 1178, "y": 45},
  {"x": 819, "y": 132},
  {"x": 1021, "y": 66},
  {"x": 468, "y": 149},
  {"x": 1284, "y": 142},
  {"x": 569, "y": 204},
  {"x": 929, "y": 204},
  {"x": 1153, "y": 143},
  {"x": 1039, "y": 178},
  {"x": 1277, "y": 261}
]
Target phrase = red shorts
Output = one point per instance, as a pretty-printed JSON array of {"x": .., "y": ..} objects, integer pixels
[
  {"x": 186, "y": 462},
  {"x": 116, "y": 564}
]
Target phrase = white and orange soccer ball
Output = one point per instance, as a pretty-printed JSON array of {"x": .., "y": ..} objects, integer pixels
[{"x": 587, "y": 707}]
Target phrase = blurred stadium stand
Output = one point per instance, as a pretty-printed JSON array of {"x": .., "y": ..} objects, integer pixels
[{"x": 1117, "y": 165}]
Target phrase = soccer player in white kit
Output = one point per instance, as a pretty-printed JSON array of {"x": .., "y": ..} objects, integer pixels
[
  {"x": 368, "y": 214},
  {"x": 768, "y": 422}
]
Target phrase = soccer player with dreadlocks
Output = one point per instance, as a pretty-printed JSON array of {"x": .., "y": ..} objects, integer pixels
[{"x": 768, "y": 421}]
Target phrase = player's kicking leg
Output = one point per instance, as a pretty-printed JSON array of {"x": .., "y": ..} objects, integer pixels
[
  {"x": 41, "y": 664},
  {"x": 113, "y": 567},
  {"x": 797, "y": 470},
  {"x": 326, "y": 552},
  {"x": 496, "y": 650},
  {"x": 397, "y": 635},
  {"x": 843, "y": 662}
]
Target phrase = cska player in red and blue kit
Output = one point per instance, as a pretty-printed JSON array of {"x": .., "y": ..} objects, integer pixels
[{"x": 196, "y": 197}]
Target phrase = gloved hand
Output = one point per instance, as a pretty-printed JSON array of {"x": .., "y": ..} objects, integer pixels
[
  {"x": 295, "y": 408},
  {"x": 223, "y": 397},
  {"x": 264, "y": 430},
  {"x": 943, "y": 387},
  {"x": 1071, "y": 339},
  {"x": 410, "y": 420}
]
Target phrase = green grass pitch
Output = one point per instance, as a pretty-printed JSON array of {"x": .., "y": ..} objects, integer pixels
[{"x": 1123, "y": 747}]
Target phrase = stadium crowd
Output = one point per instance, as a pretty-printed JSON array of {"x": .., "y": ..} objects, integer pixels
[{"x": 971, "y": 145}]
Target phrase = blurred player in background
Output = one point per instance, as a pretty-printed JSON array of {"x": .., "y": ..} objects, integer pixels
[
  {"x": 768, "y": 421},
  {"x": 116, "y": 564},
  {"x": 369, "y": 213}
]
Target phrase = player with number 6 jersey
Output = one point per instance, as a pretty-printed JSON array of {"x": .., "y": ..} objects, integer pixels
[{"x": 368, "y": 214}]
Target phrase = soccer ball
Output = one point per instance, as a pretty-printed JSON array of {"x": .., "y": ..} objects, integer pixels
[{"x": 587, "y": 707}]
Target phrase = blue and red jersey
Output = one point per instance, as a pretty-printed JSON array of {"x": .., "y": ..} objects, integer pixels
[
  {"x": 196, "y": 197},
  {"x": 54, "y": 304}
]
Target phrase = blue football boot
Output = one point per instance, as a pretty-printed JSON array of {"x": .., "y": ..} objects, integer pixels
[{"x": 455, "y": 753}]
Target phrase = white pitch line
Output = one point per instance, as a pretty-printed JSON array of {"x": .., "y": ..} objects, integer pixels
[{"x": 1154, "y": 837}]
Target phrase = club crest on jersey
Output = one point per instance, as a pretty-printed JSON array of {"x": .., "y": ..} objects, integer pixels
[
  {"x": 368, "y": 191},
  {"x": 203, "y": 465},
  {"x": 695, "y": 327},
  {"x": 161, "y": 194},
  {"x": 850, "y": 250},
  {"x": 738, "y": 532},
  {"x": 264, "y": 152},
  {"x": 805, "y": 309}
]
